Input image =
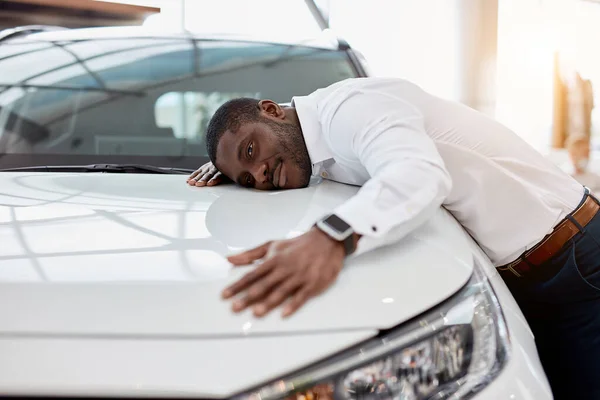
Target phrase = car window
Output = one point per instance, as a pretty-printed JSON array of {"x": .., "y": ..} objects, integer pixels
[
  {"x": 141, "y": 99},
  {"x": 188, "y": 113}
]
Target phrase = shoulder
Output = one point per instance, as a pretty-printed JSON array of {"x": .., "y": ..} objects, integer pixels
[{"x": 363, "y": 99}]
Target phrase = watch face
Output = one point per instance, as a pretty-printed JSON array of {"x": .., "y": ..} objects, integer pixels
[{"x": 337, "y": 223}]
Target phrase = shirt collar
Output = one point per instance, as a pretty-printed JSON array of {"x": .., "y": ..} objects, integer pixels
[{"x": 318, "y": 150}]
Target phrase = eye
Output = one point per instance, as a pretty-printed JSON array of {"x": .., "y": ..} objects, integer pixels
[
  {"x": 250, "y": 149},
  {"x": 249, "y": 180}
]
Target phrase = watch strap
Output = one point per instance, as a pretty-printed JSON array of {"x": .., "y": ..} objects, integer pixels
[{"x": 349, "y": 244}]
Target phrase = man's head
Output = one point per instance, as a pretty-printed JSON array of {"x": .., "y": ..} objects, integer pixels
[{"x": 259, "y": 144}]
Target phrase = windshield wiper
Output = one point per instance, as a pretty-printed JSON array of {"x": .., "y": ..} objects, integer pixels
[{"x": 109, "y": 168}]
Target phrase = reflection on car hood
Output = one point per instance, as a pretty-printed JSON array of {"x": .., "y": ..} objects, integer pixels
[{"x": 90, "y": 262}]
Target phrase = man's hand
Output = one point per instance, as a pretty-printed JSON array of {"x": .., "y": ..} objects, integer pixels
[
  {"x": 206, "y": 175},
  {"x": 296, "y": 269}
]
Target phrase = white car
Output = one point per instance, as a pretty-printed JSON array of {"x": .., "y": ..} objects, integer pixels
[{"x": 110, "y": 274}]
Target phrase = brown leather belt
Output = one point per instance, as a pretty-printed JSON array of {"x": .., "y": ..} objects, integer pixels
[{"x": 555, "y": 241}]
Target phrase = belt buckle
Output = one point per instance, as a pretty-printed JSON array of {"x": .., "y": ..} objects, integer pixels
[
  {"x": 514, "y": 271},
  {"x": 510, "y": 267}
]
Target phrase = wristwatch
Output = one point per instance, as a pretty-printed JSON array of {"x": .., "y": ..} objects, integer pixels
[{"x": 337, "y": 229}]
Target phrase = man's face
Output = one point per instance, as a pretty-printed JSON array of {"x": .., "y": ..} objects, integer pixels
[{"x": 267, "y": 154}]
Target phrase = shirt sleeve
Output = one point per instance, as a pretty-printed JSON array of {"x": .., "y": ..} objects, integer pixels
[{"x": 408, "y": 180}]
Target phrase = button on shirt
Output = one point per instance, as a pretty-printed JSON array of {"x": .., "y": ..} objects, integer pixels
[{"x": 413, "y": 152}]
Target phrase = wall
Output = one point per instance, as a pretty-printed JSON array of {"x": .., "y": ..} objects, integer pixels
[
  {"x": 586, "y": 56},
  {"x": 286, "y": 18},
  {"x": 530, "y": 32},
  {"x": 478, "y": 24},
  {"x": 446, "y": 46},
  {"x": 416, "y": 40}
]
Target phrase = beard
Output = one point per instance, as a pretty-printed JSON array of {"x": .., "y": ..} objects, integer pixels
[{"x": 291, "y": 141}]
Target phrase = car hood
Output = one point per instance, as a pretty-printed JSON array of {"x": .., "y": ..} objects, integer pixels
[{"x": 126, "y": 270}]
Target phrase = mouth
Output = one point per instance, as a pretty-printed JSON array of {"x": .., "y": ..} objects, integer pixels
[{"x": 279, "y": 176}]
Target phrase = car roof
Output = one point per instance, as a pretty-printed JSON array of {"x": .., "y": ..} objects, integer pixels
[{"x": 327, "y": 40}]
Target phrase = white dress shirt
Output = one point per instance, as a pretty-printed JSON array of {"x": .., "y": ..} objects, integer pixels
[{"x": 413, "y": 152}]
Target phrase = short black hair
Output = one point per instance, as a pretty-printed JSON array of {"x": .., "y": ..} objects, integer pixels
[{"x": 229, "y": 117}]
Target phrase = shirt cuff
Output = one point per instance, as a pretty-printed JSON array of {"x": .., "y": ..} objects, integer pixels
[{"x": 364, "y": 215}]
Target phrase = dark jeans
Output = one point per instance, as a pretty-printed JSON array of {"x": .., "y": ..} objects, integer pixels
[{"x": 564, "y": 314}]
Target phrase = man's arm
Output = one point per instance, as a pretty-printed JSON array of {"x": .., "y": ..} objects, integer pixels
[
  {"x": 408, "y": 178},
  {"x": 408, "y": 182}
]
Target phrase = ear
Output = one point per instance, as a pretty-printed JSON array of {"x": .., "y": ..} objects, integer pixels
[{"x": 271, "y": 109}]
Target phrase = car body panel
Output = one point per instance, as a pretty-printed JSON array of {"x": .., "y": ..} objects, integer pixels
[
  {"x": 109, "y": 285},
  {"x": 159, "y": 367},
  {"x": 87, "y": 264},
  {"x": 135, "y": 268}
]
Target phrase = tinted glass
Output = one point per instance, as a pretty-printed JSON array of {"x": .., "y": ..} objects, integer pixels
[{"x": 139, "y": 100}]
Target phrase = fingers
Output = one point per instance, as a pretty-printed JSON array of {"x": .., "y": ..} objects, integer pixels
[
  {"x": 206, "y": 175},
  {"x": 250, "y": 256},
  {"x": 248, "y": 279},
  {"x": 194, "y": 175},
  {"x": 211, "y": 178},
  {"x": 296, "y": 270},
  {"x": 262, "y": 287},
  {"x": 215, "y": 180},
  {"x": 298, "y": 300},
  {"x": 277, "y": 296}
]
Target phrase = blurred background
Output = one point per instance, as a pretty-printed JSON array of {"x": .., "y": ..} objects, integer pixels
[{"x": 532, "y": 64}]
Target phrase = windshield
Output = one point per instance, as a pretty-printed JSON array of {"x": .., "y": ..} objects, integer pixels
[{"x": 139, "y": 100}]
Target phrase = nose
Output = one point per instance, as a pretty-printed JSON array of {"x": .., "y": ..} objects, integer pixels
[{"x": 260, "y": 173}]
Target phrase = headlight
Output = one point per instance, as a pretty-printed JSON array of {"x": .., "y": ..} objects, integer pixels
[{"x": 453, "y": 351}]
